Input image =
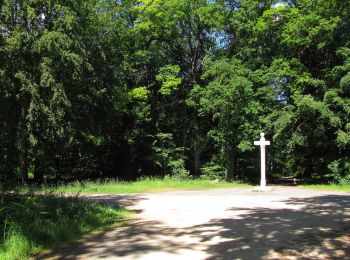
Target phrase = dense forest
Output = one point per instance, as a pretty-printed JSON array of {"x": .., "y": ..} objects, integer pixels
[{"x": 131, "y": 88}]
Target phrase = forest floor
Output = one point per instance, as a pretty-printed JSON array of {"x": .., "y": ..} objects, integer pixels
[{"x": 237, "y": 223}]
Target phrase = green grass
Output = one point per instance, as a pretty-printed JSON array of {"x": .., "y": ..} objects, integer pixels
[
  {"x": 330, "y": 187},
  {"x": 33, "y": 223},
  {"x": 144, "y": 186}
]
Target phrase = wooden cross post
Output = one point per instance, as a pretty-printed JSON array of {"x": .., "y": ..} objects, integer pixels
[{"x": 262, "y": 142}]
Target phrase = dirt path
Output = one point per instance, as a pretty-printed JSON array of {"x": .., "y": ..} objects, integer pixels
[{"x": 287, "y": 223}]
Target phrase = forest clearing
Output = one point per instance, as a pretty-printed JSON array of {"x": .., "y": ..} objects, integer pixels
[{"x": 148, "y": 96}]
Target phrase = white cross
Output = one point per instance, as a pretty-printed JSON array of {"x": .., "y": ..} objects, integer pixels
[{"x": 262, "y": 144}]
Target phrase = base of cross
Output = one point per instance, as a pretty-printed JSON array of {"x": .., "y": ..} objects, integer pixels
[{"x": 262, "y": 189}]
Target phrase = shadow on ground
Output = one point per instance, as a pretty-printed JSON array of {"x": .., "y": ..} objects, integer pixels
[
  {"x": 318, "y": 229},
  {"x": 118, "y": 201}
]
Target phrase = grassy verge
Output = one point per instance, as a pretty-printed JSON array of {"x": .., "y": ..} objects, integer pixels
[
  {"x": 330, "y": 187},
  {"x": 33, "y": 223},
  {"x": 143, "y": 186}
]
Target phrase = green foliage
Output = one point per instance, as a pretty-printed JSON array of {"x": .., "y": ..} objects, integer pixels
[
  {"x": 167, "y": 157},
  {"x": 32, "y": 223},
  {"x": 231, "y": 101},
  {"x": 139, "y": 93},
  {"x": 98, "y": 89},
  {"x": 178, "y": 169},
  {"x": 168, "y": 76},
  {"x": 213, "y": 171},
  {"x": 340, "y": 171}
]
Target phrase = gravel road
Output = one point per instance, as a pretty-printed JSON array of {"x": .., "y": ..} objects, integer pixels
[{"x": 286, "y": 223}]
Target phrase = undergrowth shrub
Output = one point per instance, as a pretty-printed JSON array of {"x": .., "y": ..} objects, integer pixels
[
  {"x": 340, "y": 171},
  {"x": 213, "y": 171},
  {"x": 32, "y": 222},
  {"x": 169, "y": 158}
]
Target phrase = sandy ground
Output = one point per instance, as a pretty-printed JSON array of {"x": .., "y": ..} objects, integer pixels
[{"x": 286, "y": 223}]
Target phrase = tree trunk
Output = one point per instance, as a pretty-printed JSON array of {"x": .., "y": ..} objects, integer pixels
[
  {"x": 23, "y": 145},
  {"x": 197, "y": 159},
  {"x": 154, "y": 108},
  {"x": 23, "y": 162},
  {"x": 197, "y": 151},
  {"x": 231, "y": 165},
  {"x": 38, "y": 173},
  {"x": 39, "y": 176}
]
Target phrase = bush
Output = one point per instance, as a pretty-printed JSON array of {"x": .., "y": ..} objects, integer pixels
[
  {"x": 340, "y": 171},
  {"x": 168, "y": 157},
  {"x": 213, "y": 171}
]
